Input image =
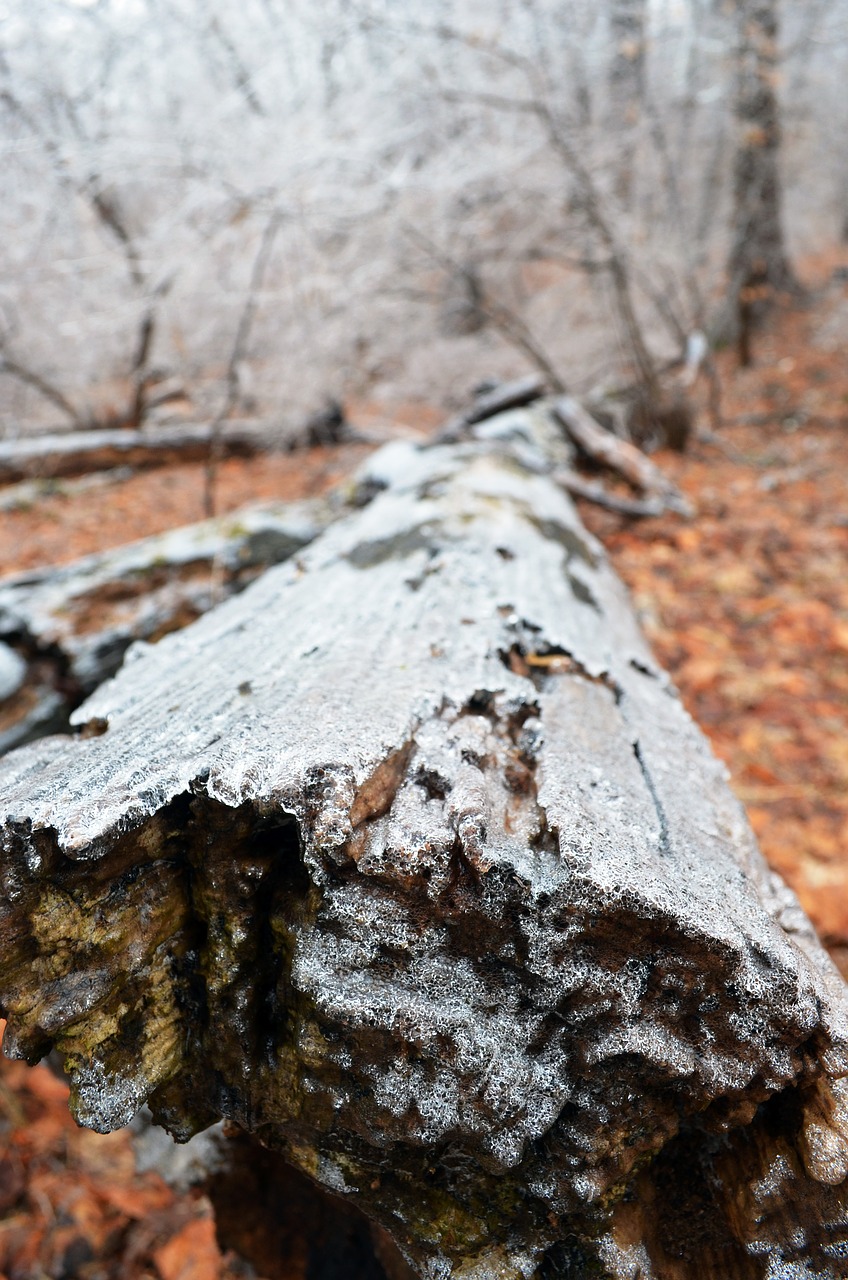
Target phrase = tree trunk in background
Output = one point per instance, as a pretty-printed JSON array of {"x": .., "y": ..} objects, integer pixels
[
  {"x": 626, "y": 84},
  {"x": 758, "y": 263}
]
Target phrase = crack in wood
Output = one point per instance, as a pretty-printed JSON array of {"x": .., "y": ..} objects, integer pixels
[{"x": 664, "y": 834}]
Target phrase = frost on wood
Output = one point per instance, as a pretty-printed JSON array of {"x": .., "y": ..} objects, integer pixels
[
  {"x": 76, "y": 452},
  {"x": 68, "y": 628},
  {"x": 409, "y": 861}
]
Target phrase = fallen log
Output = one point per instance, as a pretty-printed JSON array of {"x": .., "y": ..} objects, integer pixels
[
  {"x": 24, "y": 494},
  {"x": 78, "y": 452},
  {"x": 619, "y": 455},
  {"x": 491, "y": 402},
  {"x": 69, "y": 627},
  {"x": 409, "y": 861}
]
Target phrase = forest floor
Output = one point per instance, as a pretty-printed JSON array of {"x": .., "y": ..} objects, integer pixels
[{"x": 745, "y": 604}]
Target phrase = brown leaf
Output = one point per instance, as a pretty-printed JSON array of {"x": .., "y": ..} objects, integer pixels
[{"x": 192, "y": 1254}]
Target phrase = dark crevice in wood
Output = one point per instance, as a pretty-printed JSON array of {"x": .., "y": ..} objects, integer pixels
[
  {"x": 270, "y": 1213},
  {"x": 436, "y": 786},
  {"x": 665, "y": 836},
  {"x": 544, "y": 662}
]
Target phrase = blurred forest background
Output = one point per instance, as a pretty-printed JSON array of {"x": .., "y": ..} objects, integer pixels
[
  {"x": 257, "y": 211},
  {"x": 267, "y": 204}
]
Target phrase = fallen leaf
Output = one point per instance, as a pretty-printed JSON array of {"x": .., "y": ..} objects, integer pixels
[{"x": 192, "y": 1254}]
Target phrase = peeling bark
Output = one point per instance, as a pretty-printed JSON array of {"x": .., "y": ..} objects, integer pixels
[
  {"x": 409, "y": 861},
  {"x": 67, "y": 629}
]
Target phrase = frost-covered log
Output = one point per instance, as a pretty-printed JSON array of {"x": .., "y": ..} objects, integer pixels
[
  {"x": 409, "y": 860},
  {"x": 77, "y": 452},
  {"x": 619, "y": 455},
  {"x": 68, "y": 627}
]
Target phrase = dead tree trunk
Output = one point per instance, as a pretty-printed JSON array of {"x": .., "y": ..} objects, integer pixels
[{"x": 409, "y": 861}]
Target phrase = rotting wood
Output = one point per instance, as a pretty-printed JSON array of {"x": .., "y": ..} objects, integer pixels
[
  {"x": 79, "y": 452},
  {"x": 69, "y": 626},
  {"x": 274, "y": 1217},
  {"x": 541, "y": 1009}
]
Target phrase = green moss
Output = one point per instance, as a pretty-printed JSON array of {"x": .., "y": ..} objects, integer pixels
[{"x": 367, "y": 554}]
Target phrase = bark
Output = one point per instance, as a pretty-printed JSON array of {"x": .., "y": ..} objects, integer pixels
[
  {"x": 79, "y": 452},
  {"x": 69, "y": 627},
  {"x": 409, "y": 861},
  {"x": 758, "y": 264}
]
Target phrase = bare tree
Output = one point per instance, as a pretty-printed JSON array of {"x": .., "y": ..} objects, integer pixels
[
  {"x": 79, "y": 182},
  {"x": 518, "y": 137}
]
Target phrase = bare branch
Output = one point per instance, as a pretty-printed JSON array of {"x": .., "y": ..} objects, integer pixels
[
  {"x": 502, "y": 318},
  {"x": 593, "y": 492},
  {"x": 619, "y": 455},
  {"x": 108, "y": 211},
  {"x": 240, "y": 73},
  {"x": 557, "y": 134},
  {"x": 15, "y": 369},
  {"x": 140, "y": 370},
  {"x": 237, "y": 354}
]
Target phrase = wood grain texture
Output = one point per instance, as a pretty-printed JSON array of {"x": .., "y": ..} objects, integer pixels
[
  {"x": 409, "y": 861},
  {"x": 71, "y": 625}
]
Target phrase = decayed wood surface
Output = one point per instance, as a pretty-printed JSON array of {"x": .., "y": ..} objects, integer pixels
[
  {"x": 409, "y": 861},
  {"x": 79, "y": 452},
  {"x": 66, "y": 629}
]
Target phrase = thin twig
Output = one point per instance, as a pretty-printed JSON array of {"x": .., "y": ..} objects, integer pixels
[
  {"x": 508, "y": 324},
  {"x": 237, "y": 354},
  {"x": 14, "y": 368},
  {"x": 593, "y": 492}
]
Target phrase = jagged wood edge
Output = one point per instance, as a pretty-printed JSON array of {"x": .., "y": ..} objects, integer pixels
[{"x": 133, "y": 852}]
